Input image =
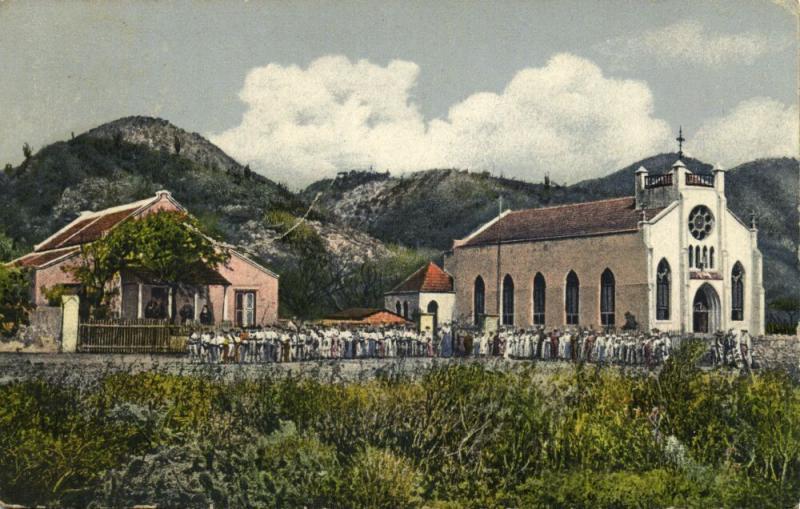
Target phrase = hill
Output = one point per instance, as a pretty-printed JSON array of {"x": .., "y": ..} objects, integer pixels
[
  {"x": 131, "y": 158},
  {"x": 431, "y": 208}
]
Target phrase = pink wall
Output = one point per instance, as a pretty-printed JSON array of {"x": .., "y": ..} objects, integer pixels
[
  {"x": 163, "y": 203},
  {"x": 244, "y": 275},
  {"x": 49, "y": 277}
]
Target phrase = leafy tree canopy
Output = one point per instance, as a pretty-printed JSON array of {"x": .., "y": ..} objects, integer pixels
[
  {"x": 168, "y": 247},
  {"x": 15, "y": 300}
]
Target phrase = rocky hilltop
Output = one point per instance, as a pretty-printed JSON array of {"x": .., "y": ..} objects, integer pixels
[
  {"x": 133, "y": 157},
  {"x": 431, "y": 208},
  {"x": 160, "y": 135}
]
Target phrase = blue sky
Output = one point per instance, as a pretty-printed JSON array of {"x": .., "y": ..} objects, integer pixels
[{"x": 301, "y": 89}]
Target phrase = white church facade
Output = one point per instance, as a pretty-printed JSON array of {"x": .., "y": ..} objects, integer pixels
[{"x": 673, "y": 258}]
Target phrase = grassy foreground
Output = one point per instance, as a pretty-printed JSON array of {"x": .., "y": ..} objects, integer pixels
[{"x": 460, "y": 437}]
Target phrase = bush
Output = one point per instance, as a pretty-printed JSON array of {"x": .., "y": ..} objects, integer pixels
[
  {"x": 15, "y": 300},
  {"x": 377, "y": 478},
  {"x": 463, "y": 436}
]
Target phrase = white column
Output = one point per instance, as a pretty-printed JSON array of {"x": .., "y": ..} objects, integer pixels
[
  {"x": 196, "y": 305},
  {"x": 139, "y": 313},
  {"x": 169, "y": 303},
  {"x": 225, "y": 303}
]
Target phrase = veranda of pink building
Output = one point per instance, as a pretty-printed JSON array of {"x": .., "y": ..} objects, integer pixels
[{"x": 241, "y": 292}]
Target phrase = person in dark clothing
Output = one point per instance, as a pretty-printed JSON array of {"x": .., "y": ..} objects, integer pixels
[
  {"x": 186, "y": 312},
  {"x": 205, "y": 316},
  {"x": 151, "y": 310}
]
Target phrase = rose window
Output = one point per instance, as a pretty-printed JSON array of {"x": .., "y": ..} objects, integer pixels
[{"x": 701, "y": 222}]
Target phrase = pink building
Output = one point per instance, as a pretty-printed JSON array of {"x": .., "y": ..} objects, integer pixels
[{"x": 242, "y": 292}]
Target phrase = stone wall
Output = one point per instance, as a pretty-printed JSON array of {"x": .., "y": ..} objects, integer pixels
[
  {"x": 42, "y": 335},
  {"x": 771, "y": 352},
  {"x": 778, "y": 352},
  {"x": 75, "y": 368}
]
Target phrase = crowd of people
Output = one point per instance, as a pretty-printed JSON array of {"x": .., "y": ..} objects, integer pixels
[{"x": 313, "y": 342}]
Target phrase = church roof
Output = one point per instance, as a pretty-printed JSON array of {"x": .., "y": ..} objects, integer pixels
[
  {"x": 617, "y": 215},
  {"x": 429, "y": 278}
]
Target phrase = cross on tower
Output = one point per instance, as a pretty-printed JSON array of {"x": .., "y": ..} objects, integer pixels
[{"x": 680, "y": 139}]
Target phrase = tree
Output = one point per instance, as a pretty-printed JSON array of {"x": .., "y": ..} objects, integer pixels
[
  {"x": 168, "y": 247},
  {"x": 7, "y": 250},
  {"x": 788, "y": 305},
  {"x": 97, "y": 265},
  {"x": 27, "y": 151},
  {"x": 176, "y": 142},
  {"x": 15, "y": 302}
]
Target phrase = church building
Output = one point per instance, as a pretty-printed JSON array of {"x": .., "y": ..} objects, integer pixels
[{"x": 672, "y": 257}]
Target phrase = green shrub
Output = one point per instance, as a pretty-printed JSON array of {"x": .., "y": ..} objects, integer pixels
[
  {"x": 462, "y": 436},
  {"x": 379, "y": 479},
  {"x": 15, "y": 299}
]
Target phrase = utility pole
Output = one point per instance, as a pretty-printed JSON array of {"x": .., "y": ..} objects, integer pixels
[{"x": 498, "y": 286}]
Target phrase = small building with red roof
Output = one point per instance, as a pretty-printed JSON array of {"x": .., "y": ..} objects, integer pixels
[
  {"x": 364, "y": 316},
  {"x": 242, "y": 292},
  {"x": 427, "y": 290}
]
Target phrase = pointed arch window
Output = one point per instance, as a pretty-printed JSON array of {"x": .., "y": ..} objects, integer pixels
[
  {"x": 572, "y": 298},
  {"x": 398, "y": 308},
  {"x": 663, "y": 281},
  {"x": 691, "y": 257},
  {"x": 539, "y": 287},
  {"x": 508, "y": 300},
  {"x": 737, "y": 292},
  {"x": 711, "y": 258},
  {"x": 405, "y": 310},
  {"x": 607, "y": 298},
  {"x": 698, "y": 262},
  {"x": 478, "y": 300}
]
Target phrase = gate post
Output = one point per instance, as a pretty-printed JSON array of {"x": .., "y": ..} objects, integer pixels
[{"x": 69, "y": 323}]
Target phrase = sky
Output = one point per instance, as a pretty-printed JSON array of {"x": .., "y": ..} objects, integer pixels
[{"x": 302, "y": 89}]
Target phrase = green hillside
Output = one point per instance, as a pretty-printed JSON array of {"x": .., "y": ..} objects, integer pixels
[
  {"x": 88, "y": 173},
  {"x": 431, "y": 208},
  {"x": 330, "y": 267}
]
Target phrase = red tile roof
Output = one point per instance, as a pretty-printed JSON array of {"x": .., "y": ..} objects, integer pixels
[
  {"x": 353, "y": 313},
  {"x": 100, "y": 226},
  {"x": 69, "y": 231},
  {"x": 89, "y": 228},
  {"x": 574, "y": 220},
  {"x": 37, "y": 260},
  {"x": 429, "y": 278},
  {"x": 366, "y": 316}
]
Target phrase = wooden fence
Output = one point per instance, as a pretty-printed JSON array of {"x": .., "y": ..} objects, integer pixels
[{"x": 130, "y": 336}]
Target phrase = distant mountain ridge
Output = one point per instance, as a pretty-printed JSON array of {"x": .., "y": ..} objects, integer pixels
[
  {"x": 431, "y": 208},
  {"x": 130, "y": 159},
  {"x": 357, "y": 213}
]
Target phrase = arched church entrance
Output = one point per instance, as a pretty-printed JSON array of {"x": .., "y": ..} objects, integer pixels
[
  {"x": 433, "y": 308},
  {"x": 706, "y": 310}
]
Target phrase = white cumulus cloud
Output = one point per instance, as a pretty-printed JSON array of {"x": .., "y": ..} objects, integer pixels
[
  {"x": 565, "y": 118},
  {"x": 757, "y": 127},
  {"x": 689, "y": 42}
]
